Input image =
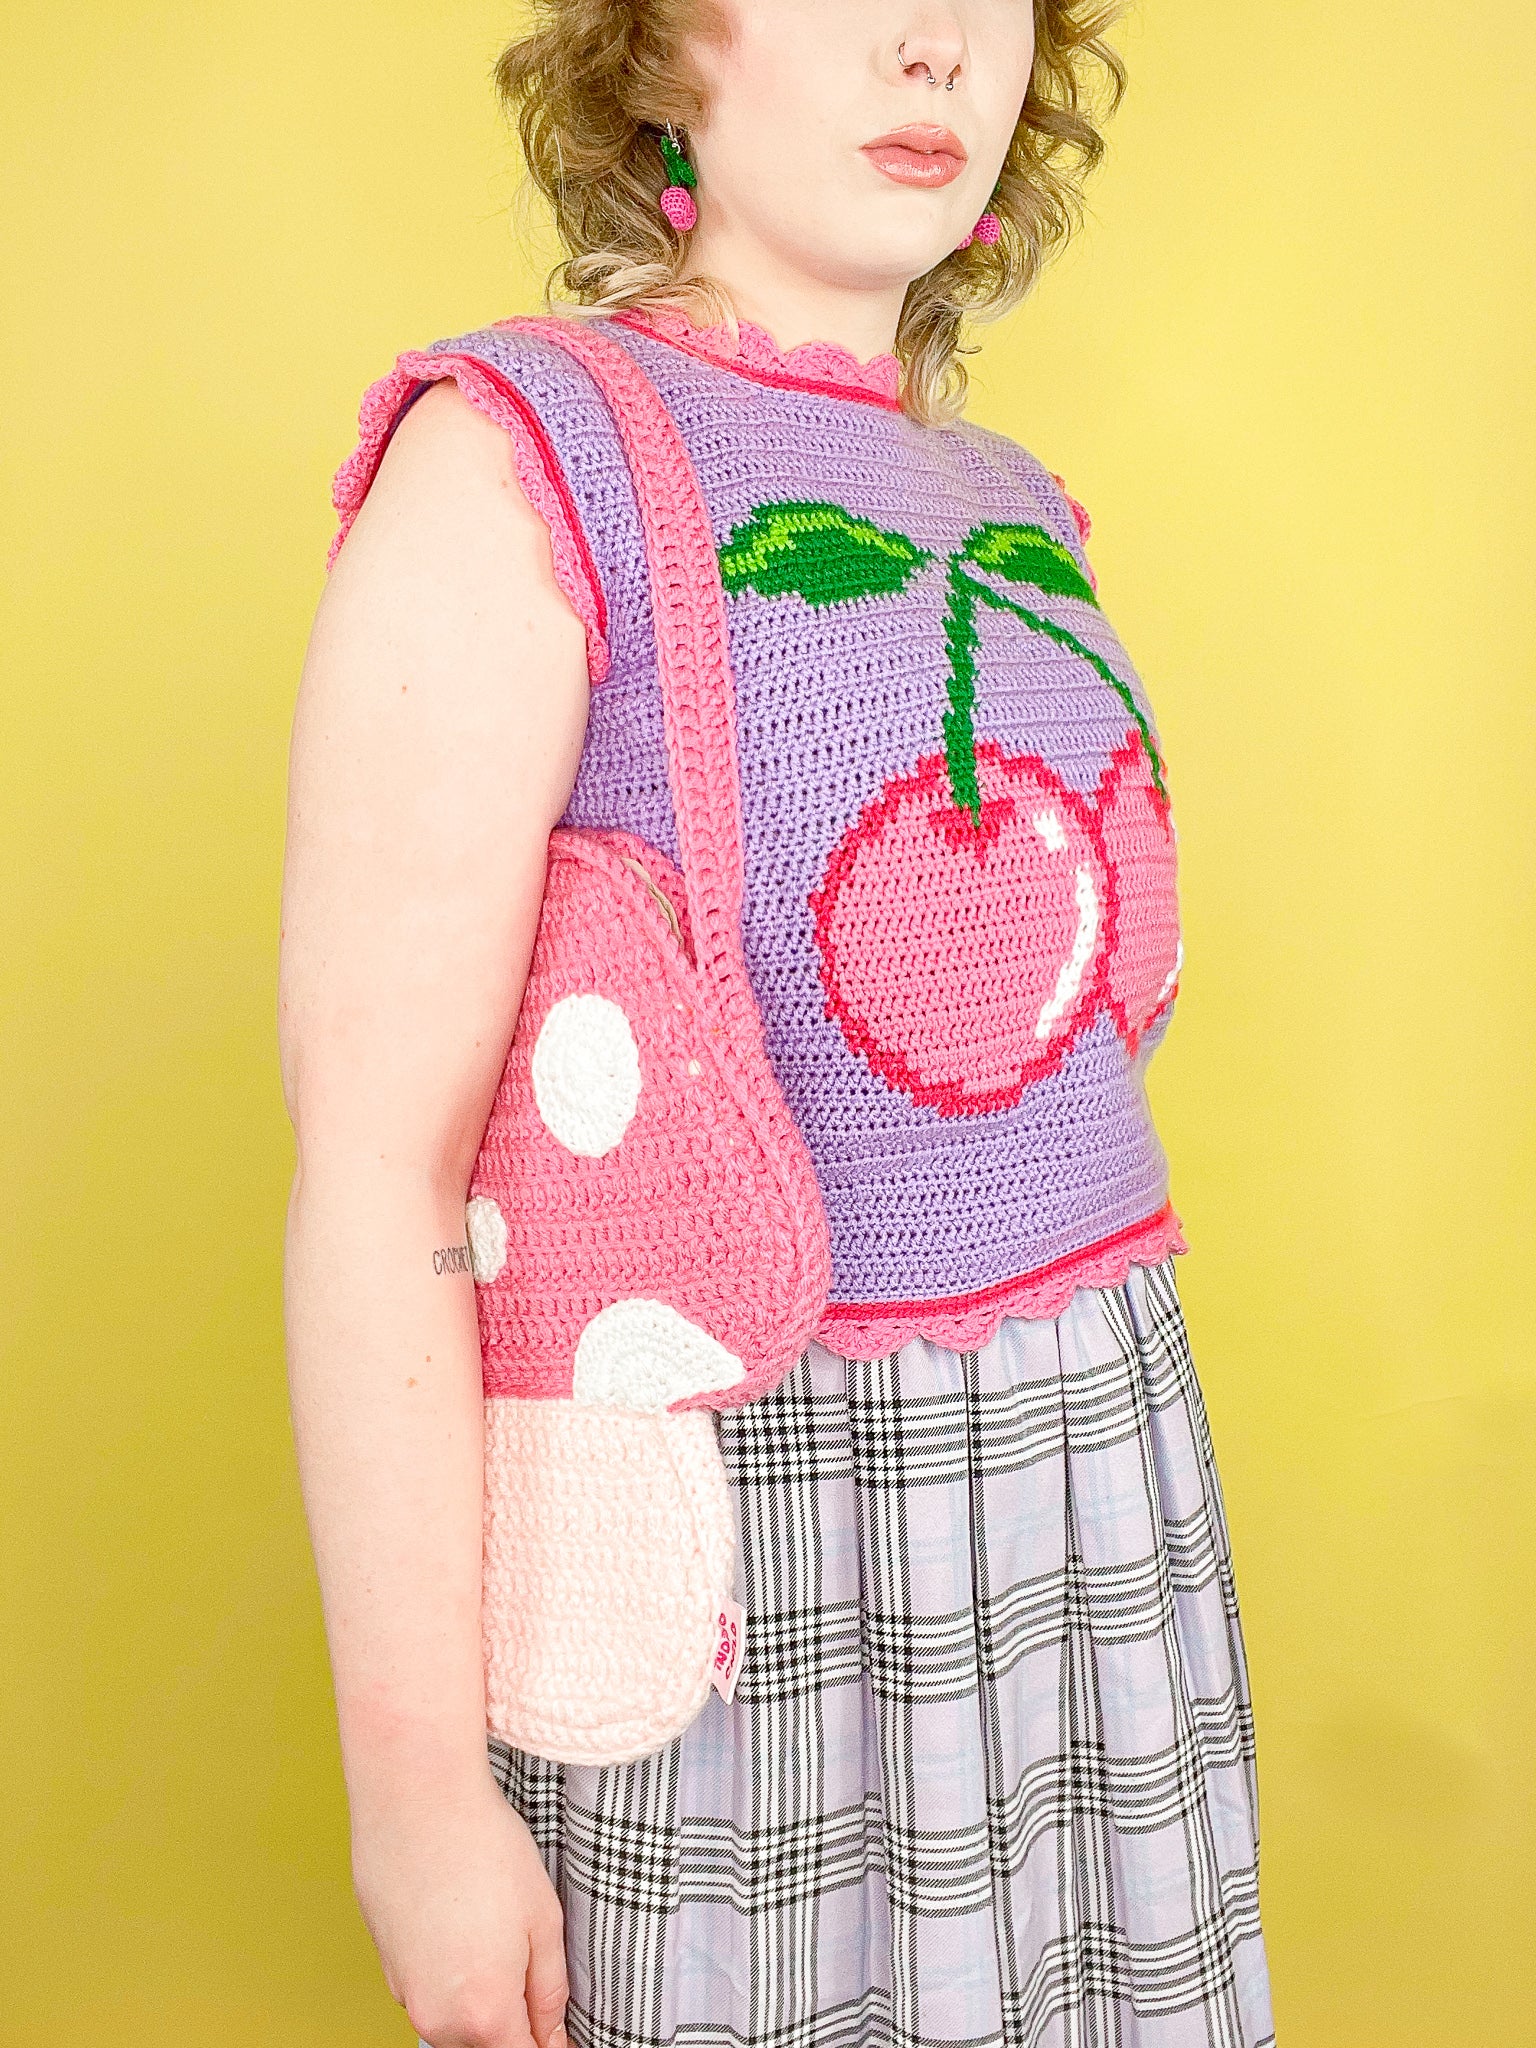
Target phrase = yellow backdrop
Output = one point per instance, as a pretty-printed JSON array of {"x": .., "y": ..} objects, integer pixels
[{"x": 1289, "y": 371}]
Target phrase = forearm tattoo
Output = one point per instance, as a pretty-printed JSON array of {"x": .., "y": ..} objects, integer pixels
[{"x": 452, "y": 1258}]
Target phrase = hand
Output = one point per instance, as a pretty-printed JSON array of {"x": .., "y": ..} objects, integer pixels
[{"x": 467, "y": 1924}]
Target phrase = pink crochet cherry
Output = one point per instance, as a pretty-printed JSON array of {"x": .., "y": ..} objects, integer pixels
[
  {"x": 988, "y": 231},
  {"x": 923, "y": 905},
  {"x": 677, "y": 201},
  {"x": 1135, "y": 829},
  {"x": 919, "y": 906}
]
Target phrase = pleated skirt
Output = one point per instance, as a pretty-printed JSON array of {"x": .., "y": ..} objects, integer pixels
[{"x": 988, "y": 1776}]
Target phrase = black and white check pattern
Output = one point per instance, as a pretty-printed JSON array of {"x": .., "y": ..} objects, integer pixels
[{"x": 988, "y": 1776}]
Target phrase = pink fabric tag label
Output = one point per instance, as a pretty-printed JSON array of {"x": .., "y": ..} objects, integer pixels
[{"x": 730, "y": 1642}]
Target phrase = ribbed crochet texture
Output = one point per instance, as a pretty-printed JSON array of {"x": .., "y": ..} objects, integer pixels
[{"x": 959, "y": 923}]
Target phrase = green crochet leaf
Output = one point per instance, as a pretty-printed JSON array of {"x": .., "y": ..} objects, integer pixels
[
  {"x": 1028, "y": 554},
  {"x": 679, "y": 170},
  {"x": 818, "y": 552}
]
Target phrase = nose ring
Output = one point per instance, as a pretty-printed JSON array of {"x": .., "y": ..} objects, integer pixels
[{"x": 901, "y": 58}]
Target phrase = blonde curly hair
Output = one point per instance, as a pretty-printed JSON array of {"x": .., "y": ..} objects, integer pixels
[{"x": 593, "y": 82}]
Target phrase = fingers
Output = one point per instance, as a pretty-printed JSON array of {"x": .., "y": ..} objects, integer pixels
[
  {"x": 547, "y": 1985},
  {"x": 471, "y": 2023}
]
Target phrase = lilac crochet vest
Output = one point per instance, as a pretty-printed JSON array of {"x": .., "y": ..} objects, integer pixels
[{"x": 960, "y": 919}]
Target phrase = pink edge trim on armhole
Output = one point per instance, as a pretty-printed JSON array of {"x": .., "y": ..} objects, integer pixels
[
  {"x": 964, "y": 1322},
  {"x": 538, "y": 471},
  {"x": 1080, "y": 519}
]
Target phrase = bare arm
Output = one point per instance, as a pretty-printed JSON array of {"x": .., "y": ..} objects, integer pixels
[{"x": 436, "y": 738}]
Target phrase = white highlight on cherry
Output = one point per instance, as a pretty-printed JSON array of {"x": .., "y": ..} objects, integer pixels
[
  {"x": 486, "y": 1229},
  {"x": 646, "y": 1354},
  {"x": 1167, "y": 988},
  {"x": 1051, "y": 830},
  {"x": 586, "y": 1074},
  {"x": 1073, "y": 968}
]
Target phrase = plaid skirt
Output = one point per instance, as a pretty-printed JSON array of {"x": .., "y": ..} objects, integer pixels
[{"x": 988, "y": 1776}]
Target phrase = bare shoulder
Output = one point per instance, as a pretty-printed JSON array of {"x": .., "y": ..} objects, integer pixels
[
  {"x": 444, "y": 656},
  {"x": 436, "y": 737},
  {"x": 447, "y": 490},
  {"x": 444, "y": 436},
  {"x": 446, "y": 581}
]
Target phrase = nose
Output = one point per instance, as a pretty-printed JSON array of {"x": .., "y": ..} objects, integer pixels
[{"x": 933, "y": 53}]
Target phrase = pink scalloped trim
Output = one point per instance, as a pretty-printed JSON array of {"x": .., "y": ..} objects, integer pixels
[
  {"x": 538, "y": 471},
  {"x": 1079, "y": 512},
  {"x": 824, "y": 367},
  {"x": 870, "y": 1329}
]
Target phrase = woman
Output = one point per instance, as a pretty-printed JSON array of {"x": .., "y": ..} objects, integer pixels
[{"x": 987, "y": 1773}]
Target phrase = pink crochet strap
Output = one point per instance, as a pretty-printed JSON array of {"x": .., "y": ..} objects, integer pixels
[{"x": 698, "y": 689}]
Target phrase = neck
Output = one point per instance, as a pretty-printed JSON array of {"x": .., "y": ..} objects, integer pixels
[{"x": 793, "y": 307}]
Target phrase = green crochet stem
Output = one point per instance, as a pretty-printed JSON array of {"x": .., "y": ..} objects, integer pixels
[
  {"x": 961, "y": 639},
  {"x": 827, "y": 555}
]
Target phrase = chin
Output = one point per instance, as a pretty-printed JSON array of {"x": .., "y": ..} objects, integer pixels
[{"x": 880, "y": 257}]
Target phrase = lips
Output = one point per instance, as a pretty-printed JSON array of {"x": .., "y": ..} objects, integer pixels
[{"x": 918, "y": 155}]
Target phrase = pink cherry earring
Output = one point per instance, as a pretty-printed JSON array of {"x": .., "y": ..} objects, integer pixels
[
  {"x": 988, "y": 230},
  {"x": 677, "y": 201}
]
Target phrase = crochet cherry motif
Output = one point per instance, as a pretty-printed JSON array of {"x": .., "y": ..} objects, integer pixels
[
  {"x": 979, "y": 912},
  {"x": 1136, "y": 831}
]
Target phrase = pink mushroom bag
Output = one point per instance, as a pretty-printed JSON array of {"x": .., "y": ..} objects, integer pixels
[{"x": 648, "y": 1238}]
